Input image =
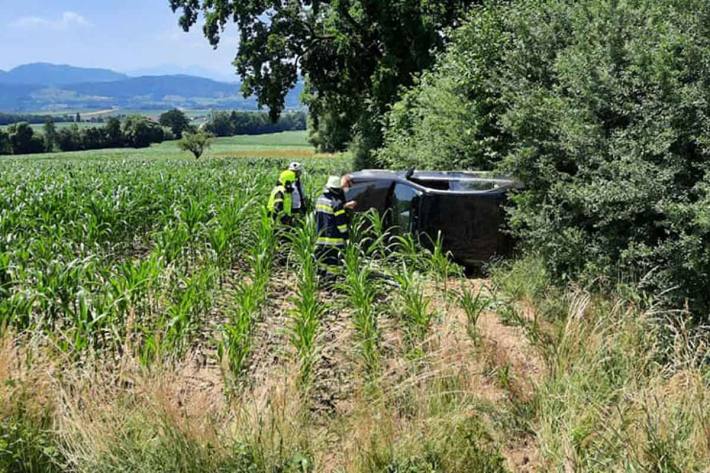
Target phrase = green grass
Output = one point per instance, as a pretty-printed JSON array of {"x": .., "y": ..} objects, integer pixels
[{"x": 286, "y": 145}]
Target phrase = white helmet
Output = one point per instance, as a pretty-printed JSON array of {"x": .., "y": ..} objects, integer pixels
[
  {"x": 295, "y": 167},
  {"x": 334, "y": 182}
]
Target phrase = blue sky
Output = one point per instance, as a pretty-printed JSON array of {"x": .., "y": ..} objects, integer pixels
[{"x": 125, "y": 35}]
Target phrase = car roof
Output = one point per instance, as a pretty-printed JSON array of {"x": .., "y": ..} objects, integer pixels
[{"x": 460, "y": 182}]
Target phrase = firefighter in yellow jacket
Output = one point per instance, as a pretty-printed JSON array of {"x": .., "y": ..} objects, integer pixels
[{"x": 280, "y": 205}]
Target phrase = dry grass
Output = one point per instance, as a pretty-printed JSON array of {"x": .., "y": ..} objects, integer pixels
[{"x": 617, "y": 390}]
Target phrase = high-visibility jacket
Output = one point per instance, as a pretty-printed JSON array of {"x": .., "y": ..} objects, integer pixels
[
  {"x": 331, "y": 219},
  {"x": 281, "y": 199}
]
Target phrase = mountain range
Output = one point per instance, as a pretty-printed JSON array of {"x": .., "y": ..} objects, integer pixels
[{"x": 48, "y": 87}]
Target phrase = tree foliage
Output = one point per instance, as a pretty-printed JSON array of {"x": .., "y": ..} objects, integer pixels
[
  {"x": 222, "y": 123},
  {"x": 5, "y": 147},
  {"x": 196, "y": 143},
  {"x": 50, "y": 135},
  {"x": 23, "y": 139},
  {"x": 355, "y": 54},
  {"x": 140, "y": 132},
  {"x": 600, "y": 108},
  {"x": 176, "y": 120}
]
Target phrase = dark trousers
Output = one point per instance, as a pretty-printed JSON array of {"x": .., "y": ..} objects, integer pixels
[{"x": 329, "y": 260}]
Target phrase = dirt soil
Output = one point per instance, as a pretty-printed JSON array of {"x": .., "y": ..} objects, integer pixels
[
  {"x": 502, "y": 346},
  {"x": 335, "y": 373}
]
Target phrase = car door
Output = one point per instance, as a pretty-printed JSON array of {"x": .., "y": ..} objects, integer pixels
[{"x": 404, "y": 207}]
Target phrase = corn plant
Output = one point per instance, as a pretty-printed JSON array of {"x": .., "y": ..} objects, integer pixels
[
  {"x": 414, "y": 307},
  {"x": 235, "y": 346},
  {"x": 360, "y": 289},
  {"x": 441, "y": 265},
  {"x": 308, "y": 309},
  {"x": 473, "y": 305},
  {"x": 191, "y": 300}
]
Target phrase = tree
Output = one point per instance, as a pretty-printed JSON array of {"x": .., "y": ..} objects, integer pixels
[
  {"x": 114, "y": 135},
  {"x": 50, "y": 135},
  {"x": 93, "y": 138},
  {"x": 355, "y": 54},
  {"x": 69, "y": 138},
  {"x": 5, "y": 147},
  {"x": 219, "y": 124},
  {"x": 23, "y": 139},
  {"x": 176, "y": 120},
  {"x": 196, "y": 143},
  {"x": 77, "y": 118},
  {"x": 140, "y": 132}
]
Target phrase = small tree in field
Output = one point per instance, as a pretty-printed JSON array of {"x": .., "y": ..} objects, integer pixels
[{"x": 196, "y": 143}]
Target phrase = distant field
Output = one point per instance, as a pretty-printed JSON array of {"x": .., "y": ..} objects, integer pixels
[
  {"x": 285, "y": 145},
  {"x": 39, "y": 126}
]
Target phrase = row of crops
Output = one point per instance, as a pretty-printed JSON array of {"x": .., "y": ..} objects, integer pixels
[
  {"x": 131, "y": 256},
  {"x": 110, "y": 255}
]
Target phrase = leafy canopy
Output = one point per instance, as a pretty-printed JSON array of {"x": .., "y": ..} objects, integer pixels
[
  {"x": 176, "y": 120},
  {"x": 355, "y": 54},
  {"x": 196, "y": 143}
]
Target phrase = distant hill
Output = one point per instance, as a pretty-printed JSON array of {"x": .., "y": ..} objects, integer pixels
[
  {"x": 157, "y": 87},
  {"x": 45, "y": 87},
  {"x": 174, "y": 70},
  {"x": 56, "y": 75}
]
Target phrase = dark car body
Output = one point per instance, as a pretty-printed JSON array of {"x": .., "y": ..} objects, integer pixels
[{"x": 466, "y": 208}]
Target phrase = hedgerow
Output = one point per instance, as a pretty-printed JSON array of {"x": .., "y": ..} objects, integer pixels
[{"x": 601, "y": 108}]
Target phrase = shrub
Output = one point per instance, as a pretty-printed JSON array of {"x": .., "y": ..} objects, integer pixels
[{"x": 600, "y": 108}]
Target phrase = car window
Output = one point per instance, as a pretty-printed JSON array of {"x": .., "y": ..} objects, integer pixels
[
  {"x": 405, "y": 200},
  {"x": 471, "y": 185}
]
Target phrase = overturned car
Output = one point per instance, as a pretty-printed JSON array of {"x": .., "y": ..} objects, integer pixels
[{"x": 466, "y": 208}]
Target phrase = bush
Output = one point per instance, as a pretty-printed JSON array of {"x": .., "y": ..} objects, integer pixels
[{"x": 600, "y": 108}]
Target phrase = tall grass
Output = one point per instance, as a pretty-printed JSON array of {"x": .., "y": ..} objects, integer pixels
[{"x": 625, "y": 390}]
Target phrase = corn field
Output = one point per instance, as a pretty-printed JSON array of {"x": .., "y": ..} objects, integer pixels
[{"x": 181, "y": 330}]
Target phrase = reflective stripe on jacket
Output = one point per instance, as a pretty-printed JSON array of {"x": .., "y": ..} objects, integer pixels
[{"x": 331, "y": 220}]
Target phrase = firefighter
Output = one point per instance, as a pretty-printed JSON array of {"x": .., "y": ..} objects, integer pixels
[
  {"x": 280, "y": 205},
  {"x": 332, "y": 226},
  {"x": 300, "y": 203}
]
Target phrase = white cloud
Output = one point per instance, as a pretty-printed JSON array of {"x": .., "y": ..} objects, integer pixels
[{"x": 69, "y": 19}]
